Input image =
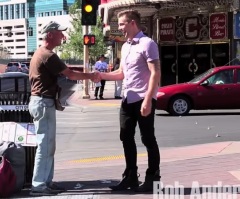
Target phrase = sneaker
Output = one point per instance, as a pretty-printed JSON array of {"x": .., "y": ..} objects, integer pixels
[
  {"x": 44, "y": 192},
  {"x": 56, "y": 187}
]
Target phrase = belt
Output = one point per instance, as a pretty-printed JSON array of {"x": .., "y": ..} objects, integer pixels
[{"x": 45, "y": 96}]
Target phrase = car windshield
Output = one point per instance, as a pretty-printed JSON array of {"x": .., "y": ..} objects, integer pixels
[{"x": 203, "y": 75}]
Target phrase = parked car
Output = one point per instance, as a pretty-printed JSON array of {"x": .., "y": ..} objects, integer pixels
[
  {"x": 13, "y": 67},
  {"x": 217, "y": 88},
  {"x": 24, "y": 68},
  {"x": 27, "y": 64}
]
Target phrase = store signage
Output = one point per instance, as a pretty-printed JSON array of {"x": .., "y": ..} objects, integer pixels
[
  {"x": 237, "y": 25},
  {"x": 194, "y": 28},
  {"x": 114, "y": 27},
  {"x": 218, "y": 25},
  {"x": 191, "y": 28},
  {"x": 145, "y": 24},
  {"x": 167, "y": 29}
]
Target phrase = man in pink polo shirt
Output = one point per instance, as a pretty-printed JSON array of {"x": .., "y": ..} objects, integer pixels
[{"x": 140, "y": 71}]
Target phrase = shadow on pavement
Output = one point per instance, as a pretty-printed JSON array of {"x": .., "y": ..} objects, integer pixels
[{"x": 96, "y": 187}]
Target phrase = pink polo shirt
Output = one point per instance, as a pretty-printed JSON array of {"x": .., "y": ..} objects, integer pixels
[{"x": 134, "y": 58}]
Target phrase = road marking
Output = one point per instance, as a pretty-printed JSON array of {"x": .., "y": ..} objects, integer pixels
[
  {"x": 104, "y": 104},
  {"x": 105, "y": 158},
  {"x": 235, "y": 173}
]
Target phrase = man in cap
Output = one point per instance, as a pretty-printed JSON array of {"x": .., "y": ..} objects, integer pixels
[{"x": 45, "y": 67}]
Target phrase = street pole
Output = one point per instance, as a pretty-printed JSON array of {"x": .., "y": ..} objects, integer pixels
[{"x": 85, "y": 66}]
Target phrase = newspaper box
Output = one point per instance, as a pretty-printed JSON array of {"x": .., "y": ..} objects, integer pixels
[{"x": 16, "y": 124}]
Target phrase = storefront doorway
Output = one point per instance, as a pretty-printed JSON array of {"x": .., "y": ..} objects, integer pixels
[{"x": 182, "y": 63}]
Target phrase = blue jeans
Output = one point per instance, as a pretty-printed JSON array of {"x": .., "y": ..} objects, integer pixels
[{"x": 44, "y": 117}]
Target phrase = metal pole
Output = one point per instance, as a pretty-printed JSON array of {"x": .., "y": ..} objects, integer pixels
[{"x": 85, "y": 66}]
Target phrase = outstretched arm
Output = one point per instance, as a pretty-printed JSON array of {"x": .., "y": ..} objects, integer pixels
[
  {"x": 76, "y": 75},
  {"x": 113, "y": 76}
]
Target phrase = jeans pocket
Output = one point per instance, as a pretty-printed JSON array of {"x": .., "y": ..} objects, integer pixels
[{"x": 36, "y": 109}]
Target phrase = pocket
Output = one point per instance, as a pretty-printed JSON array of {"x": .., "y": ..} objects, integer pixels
[{"x": 36, "y": 109}]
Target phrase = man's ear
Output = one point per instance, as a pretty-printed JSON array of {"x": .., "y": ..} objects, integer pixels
[{"x": 50, "y": 35}]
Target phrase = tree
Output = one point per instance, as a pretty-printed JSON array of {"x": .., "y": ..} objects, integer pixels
[
  {"x": 100, "y": 47},
  {"x": 73, "y": 48}
]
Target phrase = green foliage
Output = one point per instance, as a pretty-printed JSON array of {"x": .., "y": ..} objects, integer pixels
[
  {"x": 73, "y": 48},
  {"x": 99, "y": 47}
]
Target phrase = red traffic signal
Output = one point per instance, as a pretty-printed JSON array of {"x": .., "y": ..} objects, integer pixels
[{"x": 89, "y": 40}]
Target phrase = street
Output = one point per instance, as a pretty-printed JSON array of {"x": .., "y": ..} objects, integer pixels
[
  {"x": 89, "y": 156},
  {"x": 94, "y": 131}
]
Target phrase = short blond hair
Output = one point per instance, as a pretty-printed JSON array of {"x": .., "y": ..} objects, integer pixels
[{"x": 131, "y": 15}]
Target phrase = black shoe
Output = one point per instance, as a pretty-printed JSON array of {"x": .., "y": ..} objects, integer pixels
[
  {"x": 101, "y": 98},
  {"x": 44, "y": 192},
  {"x": 96, "y": 98},
  {"x": 147, "y": 186},
  {"x": 56, "y": 187},
  {"x": 118, "y": 97},
  {"x": 129, "y": 180}
]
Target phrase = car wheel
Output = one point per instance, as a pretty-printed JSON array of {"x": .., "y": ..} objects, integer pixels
[{"x": 179, "y": 105}]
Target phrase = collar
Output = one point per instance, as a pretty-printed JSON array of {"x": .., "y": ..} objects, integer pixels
[{"x": 136, "y": 38}]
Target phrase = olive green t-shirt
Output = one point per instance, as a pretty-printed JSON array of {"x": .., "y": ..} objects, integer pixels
[{"x": 45, "y": 66}]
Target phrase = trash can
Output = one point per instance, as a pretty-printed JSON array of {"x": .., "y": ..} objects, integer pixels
[{"x": 16, "y": 123}]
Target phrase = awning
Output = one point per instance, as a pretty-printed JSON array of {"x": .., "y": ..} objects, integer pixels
[
  {"x": 105, "y": 8},
  {"x": 120, "y": 3}
]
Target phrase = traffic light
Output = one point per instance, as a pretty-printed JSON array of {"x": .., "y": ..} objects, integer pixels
[
  {"x": 89, "y": 12},
  {"x": 9, "y": 32},
  {"x": 89, "y": 40}
]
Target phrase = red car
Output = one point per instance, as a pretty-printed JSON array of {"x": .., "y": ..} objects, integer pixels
[{"x": 217, "y": 88}]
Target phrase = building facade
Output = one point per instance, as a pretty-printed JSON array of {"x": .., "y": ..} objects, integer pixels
[
  {"x": 24, "y": 18},
  {"x": 193, "y": 36}
]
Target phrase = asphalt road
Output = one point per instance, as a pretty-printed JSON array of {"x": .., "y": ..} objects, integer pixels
[{"x": 81, "y": 132}]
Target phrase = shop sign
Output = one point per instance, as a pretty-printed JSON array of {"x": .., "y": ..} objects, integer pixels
[
  {"x": 237, "y": 25},
  {"x": 218, "y": 26},
  {"x": 192, "y": 28},
  {"x": 114, "y": 27},
  {"x": 167, "y": 29}
]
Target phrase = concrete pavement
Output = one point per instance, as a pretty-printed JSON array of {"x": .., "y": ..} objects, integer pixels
[{"x": 189, "y": 168}]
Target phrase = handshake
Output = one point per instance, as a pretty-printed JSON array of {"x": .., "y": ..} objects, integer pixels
[{"x": 96, "y": 77}]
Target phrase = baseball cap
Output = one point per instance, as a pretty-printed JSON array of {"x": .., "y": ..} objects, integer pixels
[
  {"x": 52, "y": 25},
  {"x": 102, "y": 56}
]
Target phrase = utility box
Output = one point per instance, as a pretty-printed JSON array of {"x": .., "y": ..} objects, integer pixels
[{"x": 16, "y": 124}]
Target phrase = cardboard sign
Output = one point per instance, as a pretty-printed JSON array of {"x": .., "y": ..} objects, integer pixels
[{"x": 20, "y": 133}]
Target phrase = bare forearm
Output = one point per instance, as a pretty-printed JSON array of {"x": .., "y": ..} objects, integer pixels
[
  {"x": 76, "y": 75},
  {"x": 81, "y": 76},
  {"x": 155, "y": 69},
  {"x": 112, "y": 76},
  {"x": 153, "y": 84}
]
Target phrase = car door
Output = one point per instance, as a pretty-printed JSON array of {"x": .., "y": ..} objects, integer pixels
[
  {"x": 234, "y": 91},
  {"x": 217, "y": 95}
]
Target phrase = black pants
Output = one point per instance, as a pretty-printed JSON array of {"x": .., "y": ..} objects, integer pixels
[
  {"x": 101, "y": 89},
  {"x": 129, "y": 117}
]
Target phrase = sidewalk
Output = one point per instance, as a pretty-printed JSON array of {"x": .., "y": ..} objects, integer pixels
[
  {"x": 214, "y": 164},
  {"x": 109, "y": 101}
]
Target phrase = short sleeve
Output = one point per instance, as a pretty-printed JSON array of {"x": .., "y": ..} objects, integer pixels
[
  {"x": 151, "y": 51},
  {"x": 55, "y": 65}
]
